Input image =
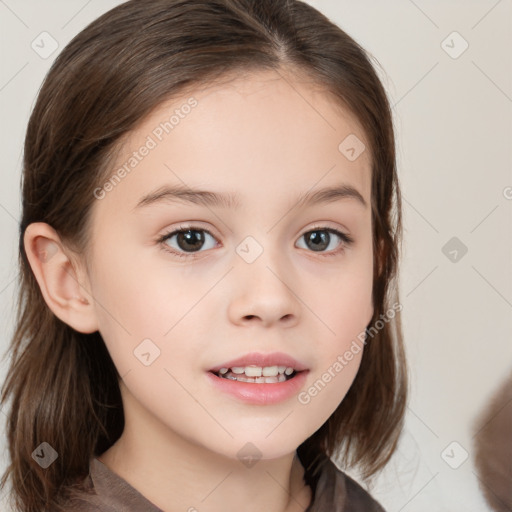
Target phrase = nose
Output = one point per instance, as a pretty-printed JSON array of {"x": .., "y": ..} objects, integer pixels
[{"x": 264, "y": 293}]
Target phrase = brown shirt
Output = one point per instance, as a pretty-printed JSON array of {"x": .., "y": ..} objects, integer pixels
[{"x": 335, "y": 492}]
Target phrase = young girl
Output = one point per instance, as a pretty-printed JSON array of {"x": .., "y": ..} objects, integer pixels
[{"x": 208, "y": 252}]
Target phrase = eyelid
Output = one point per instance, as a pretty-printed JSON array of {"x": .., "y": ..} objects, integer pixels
[{"x": 325, "y": 226}]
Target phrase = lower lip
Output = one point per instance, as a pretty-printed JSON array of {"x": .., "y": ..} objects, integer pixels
[{"x": 260, "y": 394}]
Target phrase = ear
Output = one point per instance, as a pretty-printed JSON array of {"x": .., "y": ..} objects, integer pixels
[{"x": 63, "y": 282}]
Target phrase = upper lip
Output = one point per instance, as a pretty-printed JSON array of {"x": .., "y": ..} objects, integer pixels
[{"x": 262, "y": 360}]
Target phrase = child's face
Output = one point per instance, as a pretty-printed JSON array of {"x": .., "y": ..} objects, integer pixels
[{"x": 256, "y": 284}]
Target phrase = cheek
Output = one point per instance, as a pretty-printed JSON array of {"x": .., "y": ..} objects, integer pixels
[
  {"x": 139, "y": 288},
  {"x": 137, "y": 302},
  {"x": 349, "y": 318},
  {"x": 345, "y": 309},
  {"x": 152, "y": 318},
  {"x": 344, "y": 303},
  {"x": 326, "y": 389}
]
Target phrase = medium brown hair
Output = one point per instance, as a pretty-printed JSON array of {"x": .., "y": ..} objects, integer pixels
[
  {"x": 492, "y": 448},
  {"x": 63, "y": 384}
]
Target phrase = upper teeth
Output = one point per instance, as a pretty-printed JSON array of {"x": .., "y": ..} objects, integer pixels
[{"x": 258, "y": 371}]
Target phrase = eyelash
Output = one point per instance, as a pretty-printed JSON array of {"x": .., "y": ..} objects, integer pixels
[{"x": 346, "y": 240}]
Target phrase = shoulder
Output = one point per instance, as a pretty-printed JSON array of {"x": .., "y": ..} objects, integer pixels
[
  {"x": 87, "y": 502},
  {"x": 103, "y": 490},
  {"x": 346, "y": 494},
  {"x": 84, "y": 497},
  {"x": 358, "y": 498},
  {"x": 79, "y": 505}
]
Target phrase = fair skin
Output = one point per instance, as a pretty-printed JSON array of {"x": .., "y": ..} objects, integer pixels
[{"x": 267, "y": 142}]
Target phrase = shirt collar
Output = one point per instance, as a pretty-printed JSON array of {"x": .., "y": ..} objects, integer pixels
[{"x": 330, "y": 493}]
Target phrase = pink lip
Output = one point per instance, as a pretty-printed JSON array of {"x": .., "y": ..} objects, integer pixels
[
  {"x": 259, "y": 394},
  {"x": 258, "y": 359}
]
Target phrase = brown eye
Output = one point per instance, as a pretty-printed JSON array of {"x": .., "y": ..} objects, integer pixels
[
  {"x": 187, "y": 240},
  {"x": 190, "y": 240}
]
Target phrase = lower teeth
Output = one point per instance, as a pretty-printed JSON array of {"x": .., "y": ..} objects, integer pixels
[{"x": 257, "y": 380}]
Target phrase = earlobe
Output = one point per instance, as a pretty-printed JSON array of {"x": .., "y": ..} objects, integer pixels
[{"x": 64, "y": 287}]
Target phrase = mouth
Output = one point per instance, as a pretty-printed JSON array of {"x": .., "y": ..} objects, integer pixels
[
  {"x": 259, "y": 368},
  {"x": 257, "y": 374}
]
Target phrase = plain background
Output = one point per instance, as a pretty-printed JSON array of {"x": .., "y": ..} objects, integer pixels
[{"x": 454, "y": 132}]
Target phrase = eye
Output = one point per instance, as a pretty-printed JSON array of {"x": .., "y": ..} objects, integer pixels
[
  {"x": 321, "y": 238},
  {"x": 189, "y": 239}
]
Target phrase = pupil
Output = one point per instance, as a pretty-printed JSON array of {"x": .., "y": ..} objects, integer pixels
[
  {"x": 319, "y": 239},
  {"x": 195, "y": 239}
]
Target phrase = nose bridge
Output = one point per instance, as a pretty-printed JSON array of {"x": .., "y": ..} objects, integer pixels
[
  {"x": 262, "y": 236},
  {"x": 264, "y": 254},
  {"x": 262, "y": 275}
]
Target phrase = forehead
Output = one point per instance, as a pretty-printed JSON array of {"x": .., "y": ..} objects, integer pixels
[{"x": 260, "y": 134}]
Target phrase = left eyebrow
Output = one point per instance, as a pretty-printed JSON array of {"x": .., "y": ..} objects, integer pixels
[{"x": 226, "y": 200}]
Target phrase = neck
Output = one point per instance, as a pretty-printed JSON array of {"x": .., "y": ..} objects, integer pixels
[{"x": 177, "y": 475}]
